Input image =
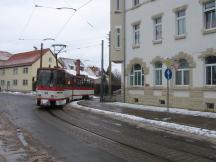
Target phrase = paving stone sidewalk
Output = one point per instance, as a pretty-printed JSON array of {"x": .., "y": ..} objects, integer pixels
[{"x": 189, "y": 120}]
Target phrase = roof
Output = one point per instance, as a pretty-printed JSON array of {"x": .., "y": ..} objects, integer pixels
[
  {"x": 4, "y": 55},
  {"x": 23, "y": 59},
  {"x": 67, "y": 62},
  {"x": 73, "y": 72}
]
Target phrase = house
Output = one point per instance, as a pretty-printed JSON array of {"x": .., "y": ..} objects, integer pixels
[
  {"x": 19, "y": 71},
  {"x": 74, "y": 67},
  {"x": 149, "y": 36}
]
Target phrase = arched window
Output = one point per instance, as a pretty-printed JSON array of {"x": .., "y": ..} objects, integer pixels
[
  {"x": 158, "y": 73},
  {"x": 137, "y": 76},
  {"x": 182, "y": 74},
  {"x": 210, "y": 63}
]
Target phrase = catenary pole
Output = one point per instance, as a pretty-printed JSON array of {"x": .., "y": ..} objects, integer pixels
[
  {"x": 41, "y": 55},
  {"x": 102, "y": 73}
]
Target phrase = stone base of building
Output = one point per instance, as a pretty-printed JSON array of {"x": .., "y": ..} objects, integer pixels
[{"x": 200, "y": 99}]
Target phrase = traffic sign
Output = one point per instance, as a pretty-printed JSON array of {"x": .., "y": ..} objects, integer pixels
[{"x": 168, "y": 74}]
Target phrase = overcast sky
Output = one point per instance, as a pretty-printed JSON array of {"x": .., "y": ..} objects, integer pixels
[{"x": 24, "y": 26}]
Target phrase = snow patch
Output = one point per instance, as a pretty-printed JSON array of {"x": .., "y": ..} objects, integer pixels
[
  {"x": 163, "y": 109},
  {"x": 140, "y": 120},
  {"x": 21, "y": 138}
]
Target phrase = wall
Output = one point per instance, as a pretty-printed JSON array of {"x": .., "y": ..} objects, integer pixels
[{"x": 194, "y": 96}]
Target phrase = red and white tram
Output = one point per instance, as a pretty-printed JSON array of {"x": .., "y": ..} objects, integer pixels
[{"x": 56, "y": 87}]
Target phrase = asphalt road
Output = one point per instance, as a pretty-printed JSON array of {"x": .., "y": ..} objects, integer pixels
[{"x": 75, "y": 135}]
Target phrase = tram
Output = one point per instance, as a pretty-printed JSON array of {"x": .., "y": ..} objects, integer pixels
[{"x": 57, "y": 87}]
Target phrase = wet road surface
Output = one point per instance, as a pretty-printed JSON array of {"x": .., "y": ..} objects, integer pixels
[{"x": 75, "y": 135}]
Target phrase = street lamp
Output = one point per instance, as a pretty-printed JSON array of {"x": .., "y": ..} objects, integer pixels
[
  {"x": 67, "y": 8},
  {"x": 58, "y": 8}
]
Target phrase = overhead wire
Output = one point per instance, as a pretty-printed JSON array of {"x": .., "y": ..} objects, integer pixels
[
  {"x": 68, "y": 20},
  {"x": 83, "y": 47},
  {"x": 28, "y": 21}
]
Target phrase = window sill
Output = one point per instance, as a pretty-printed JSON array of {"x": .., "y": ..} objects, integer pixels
[
  {"x": 179, "y": 37},
  {"x": 208, "y": 31},
  {"x": 181, "y": 87},
  {"x": 135, "y": 87},
  {"x": 117, "y": 48},
  {"x": 134, "y": 46},
  {"x": 136, "y": 6},
  {"x": 117, "y": 12},
  {"x": 209, "y": 87},
  {"x": 155, "y": 42},
  {"x": 158, "y": 87}
]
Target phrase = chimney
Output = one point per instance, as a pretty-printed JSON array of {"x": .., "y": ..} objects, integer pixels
[{"x": 78, "y": 67}]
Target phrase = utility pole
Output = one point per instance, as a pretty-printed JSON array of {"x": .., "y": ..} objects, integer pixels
[
  {"x": 41, "y": 55},
  {"x": 110, "y": 67},
  {"x": 58, "y": 48},
  {"x": 102, "y": 73}
]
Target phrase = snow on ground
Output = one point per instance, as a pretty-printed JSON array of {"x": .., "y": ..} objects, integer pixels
[
  {"x": 163, "y": 109},
  {"x": 32, "y": 93},
  {"x": 140, "y": 120}
]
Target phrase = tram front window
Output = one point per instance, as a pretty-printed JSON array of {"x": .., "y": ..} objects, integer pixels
[{"x": 50, "y": 78}]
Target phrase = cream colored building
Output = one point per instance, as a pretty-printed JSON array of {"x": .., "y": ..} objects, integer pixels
[
  {"x": 147, "y": 33},
  {"x": 19, "y": 72}
]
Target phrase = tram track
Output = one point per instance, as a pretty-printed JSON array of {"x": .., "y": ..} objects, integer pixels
[
  {"x": 107, "y": 138},
  {"x": 177, "y": 153},
  {"x": 194, "y": 142}
]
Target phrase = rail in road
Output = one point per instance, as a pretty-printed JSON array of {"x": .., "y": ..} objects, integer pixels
[{"x": 138, "y": 145}]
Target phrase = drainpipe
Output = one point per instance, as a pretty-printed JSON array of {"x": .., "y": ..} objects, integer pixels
[{"x": 124, "y": 50}]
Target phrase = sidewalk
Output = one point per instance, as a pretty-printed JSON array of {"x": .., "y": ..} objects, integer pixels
[{"x": 203, "y": 120}]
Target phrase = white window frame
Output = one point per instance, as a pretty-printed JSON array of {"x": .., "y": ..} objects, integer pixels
[
  {"x": 136, "y": 32},
  {"x": 204, "y": 15},
  {"x": 160, "y": 77},
  {"x": 142, "y": 76},
  {"x": 156, "y": 25},
  {"x": 15, "y": 82},
  {"x": 177, "y": 22},
  {"x": 2, "y": 82},
  {"x": 25, "y": 70},
  {"x": 118, "y": 37},
  {"x": 15, "y": 71},
  {"x": 209, "y": 65},
  {"x": 25, "y": 82}
]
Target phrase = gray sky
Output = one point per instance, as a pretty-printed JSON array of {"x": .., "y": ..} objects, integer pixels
[{"x": 83, "y": 34}]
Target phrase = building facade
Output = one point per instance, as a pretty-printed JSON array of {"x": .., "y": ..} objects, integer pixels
[
  {"x": 148, "y": 36},
  {"x": 19, "y": 71}
]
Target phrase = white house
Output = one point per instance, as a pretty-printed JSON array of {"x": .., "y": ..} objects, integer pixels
[{"x": 148, "y": 36}]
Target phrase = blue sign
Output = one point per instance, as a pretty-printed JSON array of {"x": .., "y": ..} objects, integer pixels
[{"x": 168, "y": 74}]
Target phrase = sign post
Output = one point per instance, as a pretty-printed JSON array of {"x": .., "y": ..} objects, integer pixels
[{"x": 168, "y": 76}]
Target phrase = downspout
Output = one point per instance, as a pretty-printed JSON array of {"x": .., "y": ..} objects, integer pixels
[{"x": 124, "y": 50}]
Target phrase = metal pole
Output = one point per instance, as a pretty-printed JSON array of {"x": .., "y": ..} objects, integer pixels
[
  {"x": 41, "y": 55},
  {"x": 124, "y": 51},
  {"x": 110, "y": 69},
  {"x": 167, "y": 95},
  {"x": 56, "y": 60},
  {"x": 102, "y": 73}
]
